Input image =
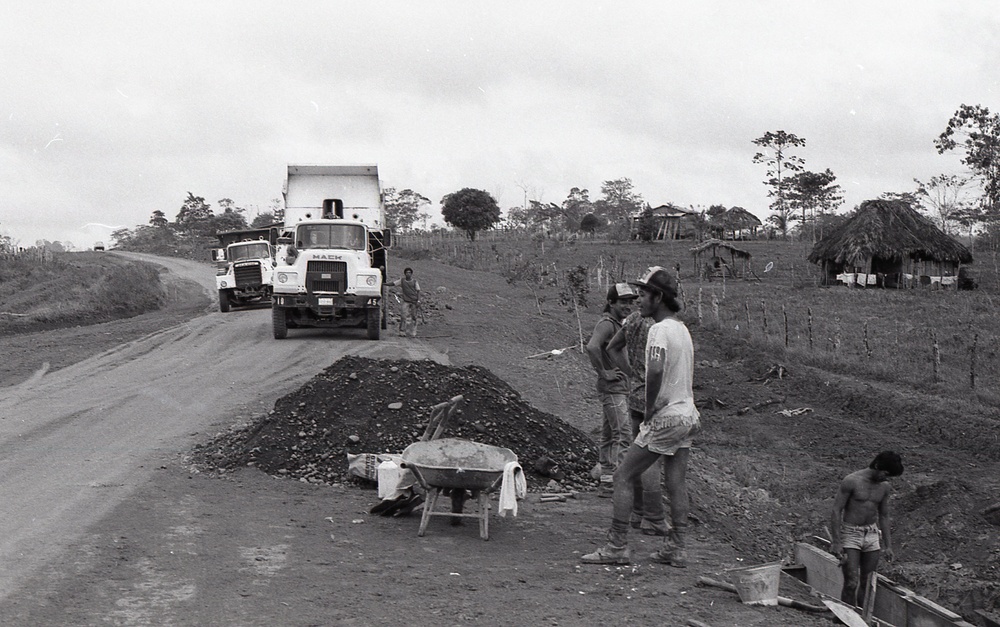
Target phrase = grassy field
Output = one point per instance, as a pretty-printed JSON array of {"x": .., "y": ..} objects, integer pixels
[
  {"x": 939, "y": 341},
  {"x": 67, "y": 289}
]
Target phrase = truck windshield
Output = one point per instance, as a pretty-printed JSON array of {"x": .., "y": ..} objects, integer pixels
[
  {"x": 251, "y": 250},
  {"x": 350, "y": 236}
]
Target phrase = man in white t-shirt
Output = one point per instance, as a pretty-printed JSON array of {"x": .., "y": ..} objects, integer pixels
[{"x": 671, "y": 420}]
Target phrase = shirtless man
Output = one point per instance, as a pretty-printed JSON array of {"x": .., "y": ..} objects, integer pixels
[{"x": 861, "y": 523}]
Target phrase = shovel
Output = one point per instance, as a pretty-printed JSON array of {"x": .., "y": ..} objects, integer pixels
[{"x": 846, "y": 615}]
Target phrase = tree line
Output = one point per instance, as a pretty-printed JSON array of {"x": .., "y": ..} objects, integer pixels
[{"x": 802, "y": 199}]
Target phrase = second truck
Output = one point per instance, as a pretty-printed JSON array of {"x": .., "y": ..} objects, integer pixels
[{"x": 331, "y": 257}]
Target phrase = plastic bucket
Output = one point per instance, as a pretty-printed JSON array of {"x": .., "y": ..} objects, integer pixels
[{"x": 758, "y": 585}]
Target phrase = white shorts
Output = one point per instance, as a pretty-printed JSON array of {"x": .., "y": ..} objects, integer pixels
[{"x": 667, "y": 434}]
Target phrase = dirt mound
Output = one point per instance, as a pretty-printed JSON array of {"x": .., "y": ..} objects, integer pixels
[{"x": 349, "y": 408}]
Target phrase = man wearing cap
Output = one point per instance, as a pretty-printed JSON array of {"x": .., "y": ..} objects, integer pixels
[
  {"x": 628, "y": 351},
  {"x": 612, "y": 385},
  {"x": 670, "y": 421}
]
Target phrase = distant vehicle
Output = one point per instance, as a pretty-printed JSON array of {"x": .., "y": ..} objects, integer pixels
[{"x": 99, "y": 246}]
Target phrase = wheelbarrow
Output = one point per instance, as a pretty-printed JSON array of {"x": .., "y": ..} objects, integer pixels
[{"x": 456, "y": 464}]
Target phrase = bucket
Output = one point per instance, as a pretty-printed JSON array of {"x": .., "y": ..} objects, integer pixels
[{"x": 758, "y": 585}]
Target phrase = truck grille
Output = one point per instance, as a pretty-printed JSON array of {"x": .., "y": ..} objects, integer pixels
[
  {"x": 248, "y": 274},
  {"x": 326, "y": 276}
]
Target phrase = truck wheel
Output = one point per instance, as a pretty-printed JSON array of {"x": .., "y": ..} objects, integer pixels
[
  {"x": 374, "y": 314},
  {"x": 224, "y": 301},
  {"x": 279, "y": 322}
]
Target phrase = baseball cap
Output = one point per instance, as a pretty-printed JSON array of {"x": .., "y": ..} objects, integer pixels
[
  {"x": 622, "y": 291},
  {"x": 659, "y": 279}
]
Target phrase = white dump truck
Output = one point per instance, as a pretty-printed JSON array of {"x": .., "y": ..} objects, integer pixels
[
  {"x": 245, "y": 267},
  {"x": 331, "y": 256}
]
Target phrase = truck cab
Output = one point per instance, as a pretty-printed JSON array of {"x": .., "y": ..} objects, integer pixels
[
  {"x": 330, "y": 260},
  {"x": 244, "y": 273}
]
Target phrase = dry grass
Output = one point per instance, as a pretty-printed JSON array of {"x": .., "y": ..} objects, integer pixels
[{"x": 941, "y": 341}]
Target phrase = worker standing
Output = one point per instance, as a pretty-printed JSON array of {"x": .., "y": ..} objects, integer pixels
[
  {"x": 612, "y": 385},
  {"x": 410, "y": 304},
  {"x": 670, "y": 422},
  {"x": 860, "y": 524}
]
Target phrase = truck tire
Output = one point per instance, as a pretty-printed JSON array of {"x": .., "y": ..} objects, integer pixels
[
  {"x": 279, "y": 322},
  {"x": 374, "y": 324},
  {"x": 224, "y": 303}
]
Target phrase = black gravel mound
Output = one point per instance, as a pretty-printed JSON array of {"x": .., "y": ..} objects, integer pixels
[{"x": 346, "y": 409}]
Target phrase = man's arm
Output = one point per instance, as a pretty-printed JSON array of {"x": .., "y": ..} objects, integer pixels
[
  {"x": 602, "y": 333},
  {"x": 883, "y": 524},
  {"x": 654, "y": 376},
  {"x": 618, "y": 351},
  {"x": 837, "y": 516}
]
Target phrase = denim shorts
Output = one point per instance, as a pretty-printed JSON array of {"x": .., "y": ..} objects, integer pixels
[{"x": 864, "y": 538}]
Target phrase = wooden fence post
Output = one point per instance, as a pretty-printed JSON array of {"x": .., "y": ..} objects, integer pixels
[
  {"x": 809, "y": 324},
  {"x": 972, "y": 362},
  {"x": 746, "y": 307},
  {"x": 784, "y": 315},
  {"x": 699, "y": 306},
  {"x": 715, "y": 308},
  {"x": 936, "y": 356}
]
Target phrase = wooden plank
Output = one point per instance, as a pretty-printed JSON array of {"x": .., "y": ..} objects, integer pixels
[{"x": 822, "y": 569}]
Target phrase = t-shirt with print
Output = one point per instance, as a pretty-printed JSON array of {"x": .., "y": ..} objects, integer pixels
[
  {"x": 636, "y": 330},
  {"x": 670, "y": 340}
]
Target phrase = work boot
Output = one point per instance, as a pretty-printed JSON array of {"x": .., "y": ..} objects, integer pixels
[
  {"x": 608, "y": 554},
  {"x": 653, "y": 527},
  {"x": 606, "y": 488},
  {"x": 635, "y": 521},
  {"x": 673, "y": 551},
  {"x": 614, "y": 552}
]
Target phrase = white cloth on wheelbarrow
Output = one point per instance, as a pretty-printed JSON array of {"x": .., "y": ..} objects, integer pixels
[{"x": 513, "y": 486}]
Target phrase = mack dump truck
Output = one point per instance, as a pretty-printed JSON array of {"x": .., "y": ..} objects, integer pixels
[
  {"x": 244, "y": 267},
  {"x": 331, "y": 256}
]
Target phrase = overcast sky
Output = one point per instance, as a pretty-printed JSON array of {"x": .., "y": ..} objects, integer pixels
[{"x": 111, "y": 110}]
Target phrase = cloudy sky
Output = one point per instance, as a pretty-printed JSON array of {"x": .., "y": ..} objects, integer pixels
[{"x": 110, "y": 110}]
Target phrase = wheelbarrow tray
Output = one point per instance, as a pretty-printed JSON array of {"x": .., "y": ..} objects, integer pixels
[{"x": 457, "y": 463}]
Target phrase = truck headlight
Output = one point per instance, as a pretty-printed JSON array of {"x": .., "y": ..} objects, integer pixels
[
  {"x": 286, "y": 277},
  {"x": 224, "y": 284},
  {"x": 370, "y": 281}
]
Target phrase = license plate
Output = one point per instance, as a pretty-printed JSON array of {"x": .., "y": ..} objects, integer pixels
[{"x": 326, "y": 302}]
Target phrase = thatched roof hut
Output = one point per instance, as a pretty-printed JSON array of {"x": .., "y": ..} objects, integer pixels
[
  {"x": 889, "y": 238},
  {"x": 741, "y": 223},
  {"x": 714, "y": 252}
]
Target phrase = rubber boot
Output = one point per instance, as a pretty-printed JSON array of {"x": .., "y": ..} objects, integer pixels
[{"x": 616, "y": 550}]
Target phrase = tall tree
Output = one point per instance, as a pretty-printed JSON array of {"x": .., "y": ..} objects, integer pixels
[
  {"x": 229, "y": 220},
  {"x": 195, "y": 216},
  {"x": 814, "y": 192},
  {"x": 471, "y": 210},
  {"x": 263, "y": 219},
  {"x": 981, "y": 132},
  {"x": 619, "y": 200},
  {"x": 158, "y": 219},
  {"x": 942, "y": 196},
  {"x": 576, "y": 205},
  {"x": 402, "y": 208},
  {"x": 776, "y": 154}
]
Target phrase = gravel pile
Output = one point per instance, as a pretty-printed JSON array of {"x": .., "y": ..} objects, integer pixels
[{"x": 361, "y": 405}]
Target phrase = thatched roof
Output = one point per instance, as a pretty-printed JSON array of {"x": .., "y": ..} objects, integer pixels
[
  {"x": 718, "y": 243},
  {"x": 888, "y": 229},
  {"x": 740, "y": 218}
]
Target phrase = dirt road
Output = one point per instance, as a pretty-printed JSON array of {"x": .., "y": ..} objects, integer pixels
[{"x": 77, "y": 442}]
